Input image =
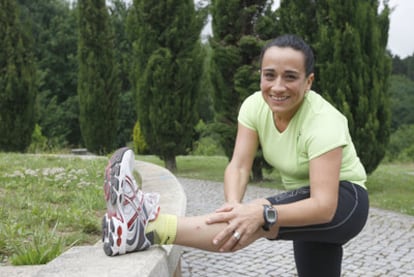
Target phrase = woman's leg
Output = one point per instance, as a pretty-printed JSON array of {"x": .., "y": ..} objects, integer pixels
[
  {"x": 350, "y": 216},
  {"x": 318, "y": 248},
  {"x": 194, "y": 232},
  {"x": 188, "y": 231},
  {"x": 317, "y": 259},
  {"x": 133, "y": 223}
]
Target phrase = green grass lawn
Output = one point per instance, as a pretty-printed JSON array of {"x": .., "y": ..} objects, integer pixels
[
  {"x": 49, "y": 203},
  {"x": 391, "y": 187}
]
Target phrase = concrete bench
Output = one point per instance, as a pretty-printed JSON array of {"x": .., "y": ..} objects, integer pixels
[
  {"x": 92, "y": 261},
  {"x": 80, "y": 151}
]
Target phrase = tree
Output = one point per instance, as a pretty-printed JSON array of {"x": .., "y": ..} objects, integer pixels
[
  {"x": 402, "y": 101},
  {"x": 403, "y": 66},
  {"x": 17, "y": 81},
  {"x": 239, "y": 32},
  {"x": 168, "y": 66},
  {"x": 298, "y": 17},
  {"x": 54, "y": 28},
  {"x": 98, "y": 86},
  {"x": 353, "y": 67},
  {"x": 123, "y": 52},
  {"x": 205, "y": 104}
]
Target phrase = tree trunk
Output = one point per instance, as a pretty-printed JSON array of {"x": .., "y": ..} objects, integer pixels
[
  {"x": 257, "y": 169},
  {"x": 171, "y": 164}
]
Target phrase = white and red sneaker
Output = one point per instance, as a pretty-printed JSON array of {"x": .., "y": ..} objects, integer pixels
[{"x": 128, "y": 209}]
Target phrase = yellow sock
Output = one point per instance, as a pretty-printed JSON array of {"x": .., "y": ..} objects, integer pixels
[{"x": 163, "y": 230}]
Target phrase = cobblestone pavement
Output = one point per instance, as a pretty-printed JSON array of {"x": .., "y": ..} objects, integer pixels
[{"x": 384, "y": 248}]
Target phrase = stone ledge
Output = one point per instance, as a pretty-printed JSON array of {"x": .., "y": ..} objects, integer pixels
[
  {"x": 80, "y": 151},
  {"x": 92, "y": 261}
]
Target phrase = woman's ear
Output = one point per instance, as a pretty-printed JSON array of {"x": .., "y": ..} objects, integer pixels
[{"x": 309, "y": 81}]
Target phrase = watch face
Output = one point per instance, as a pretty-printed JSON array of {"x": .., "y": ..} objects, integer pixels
[{"x": 271, "y": 215}]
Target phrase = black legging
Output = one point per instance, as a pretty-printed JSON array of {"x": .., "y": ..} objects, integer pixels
[{"x": 318, "y": 248}]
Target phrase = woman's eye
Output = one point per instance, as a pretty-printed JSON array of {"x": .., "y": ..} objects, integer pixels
[{"x": 290, "y": 77}]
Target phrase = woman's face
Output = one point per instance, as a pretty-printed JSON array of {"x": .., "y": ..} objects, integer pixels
[{"x": 283, "y": 80}]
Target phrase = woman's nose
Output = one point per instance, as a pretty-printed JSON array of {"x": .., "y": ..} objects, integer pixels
[{"x": 278, "y": 84}]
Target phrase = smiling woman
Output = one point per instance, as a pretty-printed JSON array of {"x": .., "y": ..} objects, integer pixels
[
  {"x": 302, "y": 136},
  {"x": 284, "y": 83}
]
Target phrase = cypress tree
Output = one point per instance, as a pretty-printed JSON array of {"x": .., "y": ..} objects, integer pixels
[
  {"x": 119, "y": 10},
  {"x": 17, "y": 81},
  {"x": 98, "y": 86},
  {"x": 54, "y": 27},
  {"x": 352, "y": 64},
  {"x": 353, "y": 69},
  {"x": 168, "y": 66},
  {"x": 298, "y": 17},
  {"x": 240, "y": 29}
]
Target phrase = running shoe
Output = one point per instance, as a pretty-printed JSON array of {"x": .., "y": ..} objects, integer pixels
[{"x": 128, "y": 209}]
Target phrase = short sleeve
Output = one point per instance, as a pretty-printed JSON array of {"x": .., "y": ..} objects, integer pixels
[
  {"x": 248, "y": 112},
  {"x": 327, "y": 133}
]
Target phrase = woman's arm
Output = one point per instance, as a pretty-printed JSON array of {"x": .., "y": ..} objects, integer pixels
[
  {"x": 324, "y": 184},
  {"x": 320, "y": 208},
  {"x": 237, "y": 173}
]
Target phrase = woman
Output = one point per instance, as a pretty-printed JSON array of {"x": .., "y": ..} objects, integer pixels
[{"x": 302, "y": 136}]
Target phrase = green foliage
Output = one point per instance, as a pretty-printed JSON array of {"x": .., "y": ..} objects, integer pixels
[
  {"x": 40, "y": 247},
  {"x": 401, "y": 146},
  {"x": 54, "y": 28},
  {"x": 208, "y": 142},
  {"x": 167, "y": 71},
  {"x": 299, "y": 17},
  {"x": 98, "y": 85},
  {"x": 207, "y": 146},
  {"x": 126, "y": 118},
  {"x": 206, "y": 91},
  {"x": 38, "y": 142},
  {"x": 403, "y": 66},
  {"x": 240, "y": 29},
  {"x": 124, "y": 58},
  {"x": 402, "y": 101},
  {"x": 352, "y": 64},
  {"x": 140, "y": 146},
  {"x": 18, "y": 85}
]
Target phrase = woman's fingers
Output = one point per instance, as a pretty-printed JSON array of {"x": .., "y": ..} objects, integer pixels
[
  {"x": 220, "y": 218},
  {"x": 225, "y": 236}
]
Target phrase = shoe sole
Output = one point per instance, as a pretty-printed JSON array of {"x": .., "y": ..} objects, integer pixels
[
  {"x": 119, "y": 235},
  {"x": 113, "y": 192},
  {"x": 112, "y": 230},
  {"x": 111, "y": 225}
]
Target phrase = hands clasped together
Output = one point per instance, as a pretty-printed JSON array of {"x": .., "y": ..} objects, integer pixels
[{"x": 244, "y": 225}]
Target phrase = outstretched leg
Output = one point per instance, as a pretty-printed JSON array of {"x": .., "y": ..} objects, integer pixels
[{"x": 133, "y": 223}]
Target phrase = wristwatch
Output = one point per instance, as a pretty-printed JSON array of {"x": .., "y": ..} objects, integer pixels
[{"x": 270, "y": 217}]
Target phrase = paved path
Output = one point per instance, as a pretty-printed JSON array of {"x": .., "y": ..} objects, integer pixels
[{"x": 384, "y": 248}]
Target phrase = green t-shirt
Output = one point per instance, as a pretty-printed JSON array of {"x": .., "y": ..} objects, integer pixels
[{"x": 315, "y": 129}]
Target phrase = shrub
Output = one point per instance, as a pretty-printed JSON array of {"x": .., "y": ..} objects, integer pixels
[
  {"x": 39, "y": 142},
  {"x": 401, "y": 146},
  {"x": 140, "y": 146},
  {"x": 208, "y": 143}
]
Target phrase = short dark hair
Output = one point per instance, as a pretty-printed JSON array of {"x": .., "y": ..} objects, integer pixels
[{"x": 295, "y": 42}]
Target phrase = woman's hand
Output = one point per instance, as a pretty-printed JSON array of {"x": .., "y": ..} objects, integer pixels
[{"x": 245, "y": 223}]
